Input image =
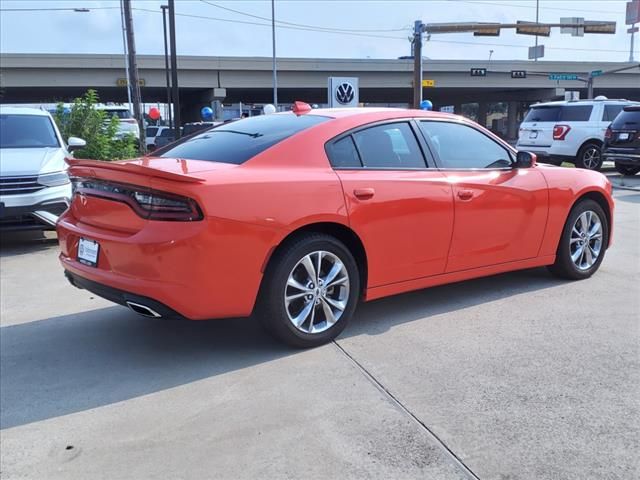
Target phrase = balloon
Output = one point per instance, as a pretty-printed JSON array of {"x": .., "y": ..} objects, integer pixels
[
  {"x": 206, "y": 113},
  {"x": 154, "y": 113},
  {"x": 268, "y": 108},
  {"x": 426, "y": 105}
]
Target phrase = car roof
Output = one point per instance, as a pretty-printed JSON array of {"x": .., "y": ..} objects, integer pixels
[
  {"x": 382, "y": 111},
  {"x": 5, "y": 109},
  {"x": 583, "y": 102}
]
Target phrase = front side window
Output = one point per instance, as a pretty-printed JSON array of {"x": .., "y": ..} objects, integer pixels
[
  {"x": 460, "y": 146},
  {"x": 392, "y": 145},
  {"x": 27, "y": 131},
  {"x": 237, "y": 142}
]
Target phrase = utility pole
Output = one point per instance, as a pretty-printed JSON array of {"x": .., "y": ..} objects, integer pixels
[
  {"x": 273, "y": 40},
  {"x": 417, "y": 63},
  {"x": 166, "y": 60},
  {"x": 535, "y": 59},
  {"x": 126, "y": 55},
  {"x": 174, "y": 68},
  {"x": 133, "y": 79}
]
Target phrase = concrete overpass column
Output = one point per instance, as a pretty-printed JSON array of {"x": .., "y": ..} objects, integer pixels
[
  {"x": 482, "y": 113},
  {"x": 512, "y": 115}
]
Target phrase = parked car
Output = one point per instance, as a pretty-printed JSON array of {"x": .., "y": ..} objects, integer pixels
[
  {"x": 300, "y": 215},
  {"x": 34, "y": 185},
  {"x": 622, "y": 141},
  {"x": 165, "y": 137},
  {"x": 151, "y": 132},
  {"x": 127, "y": 123},
  {"x": 569, "y": 131}
]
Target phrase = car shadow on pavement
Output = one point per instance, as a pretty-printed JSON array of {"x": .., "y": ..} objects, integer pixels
[
  {"x": 73, "y": 363},
  {"x": 378, "y": 316},
  {"x": 25, "y": 242}
]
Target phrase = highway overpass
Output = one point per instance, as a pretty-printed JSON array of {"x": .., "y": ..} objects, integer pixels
[{"x": 52, "y": 77}]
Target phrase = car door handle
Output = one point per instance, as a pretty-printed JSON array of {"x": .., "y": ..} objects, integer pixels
[
  {"x": 465, "y": 194},
  {"x": 364, "y": 193}
]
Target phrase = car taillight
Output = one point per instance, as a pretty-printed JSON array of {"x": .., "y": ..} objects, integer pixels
[
  {"x": 608, "y": 133},
  {"x": 147, "y": 203},
  {"x": 560, "y": 132}
]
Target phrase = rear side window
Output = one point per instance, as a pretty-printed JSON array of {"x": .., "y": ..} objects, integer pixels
[
  {"x": 151, "y": 131},
  {"x": 237, "y": 142},
  {"x": 627, "y": 120},
  {"x": 611, "y": 112},
  {"x": 343, "y": 154},
  {"x": 575, "y": 113},
  {"x": 392, "y": 145}
]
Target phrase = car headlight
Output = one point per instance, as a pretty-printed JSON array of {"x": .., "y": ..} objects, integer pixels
[{"x": 53, "y": 179}]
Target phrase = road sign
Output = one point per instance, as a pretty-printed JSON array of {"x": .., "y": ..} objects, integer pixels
[
  {"x": 599, "y": 27},
  {"x": 536, "y": 52},
  {"x": 518, "y": 74},
  {"x": 575, "y": 31},
  {"x": 563, "y": 76},
  {"x": 122, "y": 82},
  {"x": 448, "y": 109},
  {"x": 478, "y": 72},
  {"x": 633, "y": 12},
  {"x": 428, "y": 82},
  {"x": 633, "y": 30},
  {"x": 596, "y": 73}
]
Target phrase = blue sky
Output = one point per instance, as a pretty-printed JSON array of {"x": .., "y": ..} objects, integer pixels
[{"x": 383, "y": 28}]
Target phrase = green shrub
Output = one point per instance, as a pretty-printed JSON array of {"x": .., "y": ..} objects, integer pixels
[{"x": 86, "y": 122}]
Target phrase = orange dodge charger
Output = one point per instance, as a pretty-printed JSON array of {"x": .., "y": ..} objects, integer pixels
[{"x": 300, "y": 215}]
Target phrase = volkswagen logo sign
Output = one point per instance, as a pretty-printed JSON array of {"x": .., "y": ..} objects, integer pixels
[{"x": 345, "y": 93}]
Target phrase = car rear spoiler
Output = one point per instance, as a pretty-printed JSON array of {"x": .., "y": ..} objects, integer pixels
[{"x": 132, "y": 168}]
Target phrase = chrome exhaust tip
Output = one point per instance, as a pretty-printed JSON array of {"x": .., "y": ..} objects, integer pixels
[{"x": 143, "y": 310}]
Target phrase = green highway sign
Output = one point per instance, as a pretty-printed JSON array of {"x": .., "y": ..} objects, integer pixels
[
  {"x": 596, "y": 73},
  {"x": 563, "y": 76}
]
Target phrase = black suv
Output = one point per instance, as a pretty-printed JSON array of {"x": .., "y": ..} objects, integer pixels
[{"x": 622, "y": 141}]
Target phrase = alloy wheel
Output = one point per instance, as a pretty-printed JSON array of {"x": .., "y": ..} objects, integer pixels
[
  {"x": 591, "y": 158},
  {"x": 585, "y": 243},
  {"x": 317, "y": 292}
]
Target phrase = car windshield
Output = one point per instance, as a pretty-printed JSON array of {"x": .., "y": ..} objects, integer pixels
[
  {"x": 237, "y": 142},
  {"x": 27, "y": 131}
]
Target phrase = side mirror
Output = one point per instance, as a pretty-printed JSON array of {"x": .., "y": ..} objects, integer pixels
[
  {"x": 525, "y": 160},
  {"x": 75, "y": 143}
]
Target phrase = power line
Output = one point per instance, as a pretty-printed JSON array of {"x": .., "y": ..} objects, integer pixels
[
  {"x": 304, "y": 25},
  {"x": 560, "y": 9},
  {"x": 59, "y": 9}
]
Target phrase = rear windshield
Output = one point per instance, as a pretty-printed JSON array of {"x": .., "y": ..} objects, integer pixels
[
  {"x": 118, "y": 113},
  {"x": 237, "y": 142},
  {"x": 558, "y": 113},
  {"x": 627, "y": 119},
  {"x": 27, "y": 131}
]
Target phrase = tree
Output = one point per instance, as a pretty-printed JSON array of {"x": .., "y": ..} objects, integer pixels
[{"x": 83, "y": 120}]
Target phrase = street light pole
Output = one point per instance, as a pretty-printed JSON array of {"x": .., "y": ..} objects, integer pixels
[
  {"x": 273, "y": 41},
  {"x": 417, "y": 63},
  {"x": 133, "y": 79},
  {"x": 535, "y": 59},
  {"x": 174, "y": 69},
  {"x": 166, "y": 61}
]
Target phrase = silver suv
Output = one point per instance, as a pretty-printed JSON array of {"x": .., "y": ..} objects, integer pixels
[
  {"x": 34, "y": 185},
  {"x": 569, "y": 131}
]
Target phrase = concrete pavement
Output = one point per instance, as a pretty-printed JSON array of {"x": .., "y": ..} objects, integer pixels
[{"x": 516, "y": 376}]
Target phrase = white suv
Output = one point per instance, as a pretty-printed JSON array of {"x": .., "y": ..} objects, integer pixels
[
  {"x": 569, "y": 131},
  {"x": 127, "y": 124},
  {"x": 34, "y": 185}
]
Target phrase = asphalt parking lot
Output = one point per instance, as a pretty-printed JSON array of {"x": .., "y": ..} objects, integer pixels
[{"x": 516, "y": 376}]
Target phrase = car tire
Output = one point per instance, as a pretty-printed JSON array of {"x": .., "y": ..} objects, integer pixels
[
  {"x": 627, "y": 169},
  {"x": 282, "y": 304},
  {"x": 590, "y": 156},
  {"x": 570, "y": 262}
]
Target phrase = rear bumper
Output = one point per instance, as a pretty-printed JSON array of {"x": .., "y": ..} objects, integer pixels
[
  {"x": 631, "y": 159},
  {"x": 119, "y": 296},
  {"x": 197, "y": 270}
]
